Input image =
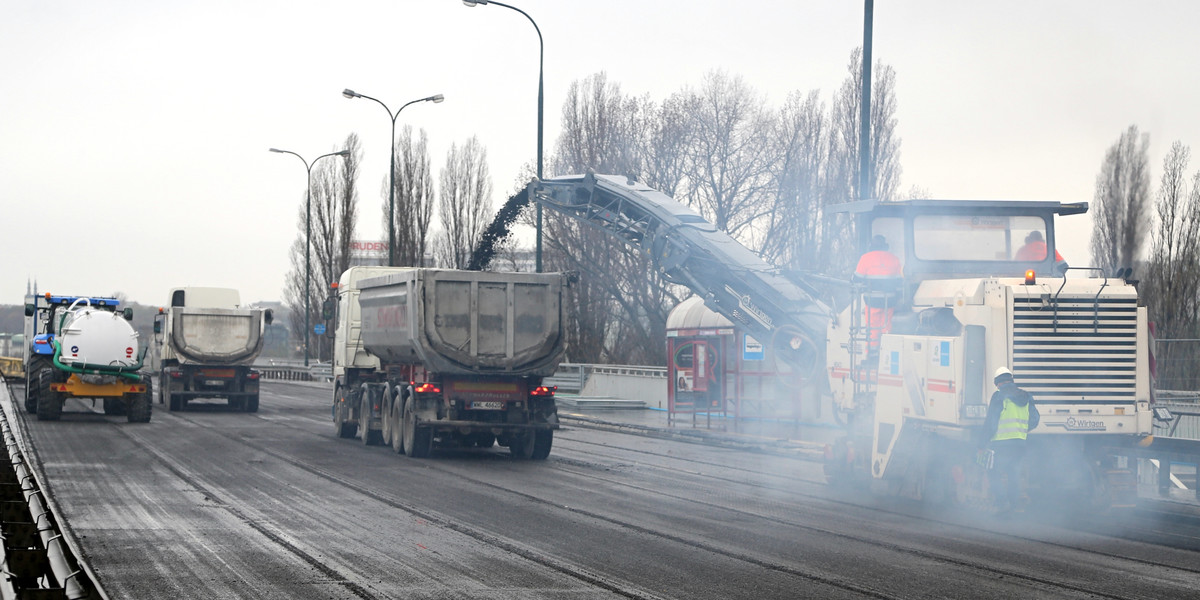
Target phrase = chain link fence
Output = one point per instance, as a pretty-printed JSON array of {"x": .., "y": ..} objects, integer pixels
[
  {"x": 1178, "y": 363},
  {"x": 1178, "y": 386}
]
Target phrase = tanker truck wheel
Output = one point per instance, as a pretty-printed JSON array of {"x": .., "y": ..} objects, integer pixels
[
  {"x": 252, "y": 403},
  {"x": 114, "y": 407},
  {"x": 140, "y": 406},
  {"x": 418, "y": 441},
  {"x": 49, "y": 403}
]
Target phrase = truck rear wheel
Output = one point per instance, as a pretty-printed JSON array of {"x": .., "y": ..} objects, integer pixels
[
  {"x": 252, "y": 403},
  {"x": 341, "y": 426},
  {"x": 385, "y": 414},
  {"x": 370, "y": 437},
  {"x": 532, "y": 445},
  {"x": 397, "y": 423},
  {"x": 418, "y": 441},
  {"x": 140, "y": 407},
  {"x": 49, "y": 403},
  {"x": 542, "y": 442}
]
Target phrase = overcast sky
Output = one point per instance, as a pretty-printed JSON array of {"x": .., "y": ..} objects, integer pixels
[{"x": 134, "y": 133}]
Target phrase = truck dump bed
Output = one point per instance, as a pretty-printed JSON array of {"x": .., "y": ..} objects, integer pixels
[
  {"x": 465, "y": 322},
  {"x": 225, "y": 336}
]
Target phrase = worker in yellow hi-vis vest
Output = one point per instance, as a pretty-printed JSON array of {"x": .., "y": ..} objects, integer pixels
[{"x": 1011, "y": 415}]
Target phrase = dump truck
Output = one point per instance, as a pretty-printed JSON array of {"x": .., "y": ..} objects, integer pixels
[
  {"x": 452, "y": 358},
  {"x": 206, "y": 345},
  {"x": 83, "y": 347}
]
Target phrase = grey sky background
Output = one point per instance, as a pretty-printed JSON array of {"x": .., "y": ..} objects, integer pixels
[{"x": 134, "y": 134}]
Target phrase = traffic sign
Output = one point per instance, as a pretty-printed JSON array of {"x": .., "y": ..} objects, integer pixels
[{"x": 319, "y": 329}]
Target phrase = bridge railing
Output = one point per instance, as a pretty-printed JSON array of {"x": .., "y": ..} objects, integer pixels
[{"x": 294, "y": 370}]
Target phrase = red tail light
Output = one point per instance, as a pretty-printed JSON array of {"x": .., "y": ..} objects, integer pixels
[
  {"x": 177, "y": 374},
  {"x": 42, "y": 342},
  {"x": 542, "y": 390},
  {"x": 428, "y": 388},
  {"x": 254, "y": 375}
]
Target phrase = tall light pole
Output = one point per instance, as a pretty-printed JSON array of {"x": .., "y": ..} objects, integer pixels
[
  {"x": 349, "y": 93},
  {"x": 308, "y": 231},
  {"x": 864, "y": 118},
  {"x": 541, "y": 71}
]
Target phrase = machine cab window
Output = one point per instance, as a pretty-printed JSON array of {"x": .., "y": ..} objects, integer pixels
[{"x": 982, "y": 238}]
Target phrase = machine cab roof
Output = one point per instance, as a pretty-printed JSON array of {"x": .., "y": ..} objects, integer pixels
[{"x": 964, "y": 238}]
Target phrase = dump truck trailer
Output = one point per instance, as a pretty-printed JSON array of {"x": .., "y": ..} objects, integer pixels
[
  {"x": 453, "y": 358},
  {"x": 207, "y": 343}
]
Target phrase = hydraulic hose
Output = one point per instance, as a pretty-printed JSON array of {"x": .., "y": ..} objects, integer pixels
[{"x": 84, "y": 369}]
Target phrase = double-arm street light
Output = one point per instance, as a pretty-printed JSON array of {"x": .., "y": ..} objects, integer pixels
[
  {"x": 541, "y": 70},
  {"x": 392, "y": 165},
  {"x": 308, "y": 232}
]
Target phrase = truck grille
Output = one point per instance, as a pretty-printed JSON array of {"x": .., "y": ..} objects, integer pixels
[{"x": 1076, "y": 351}]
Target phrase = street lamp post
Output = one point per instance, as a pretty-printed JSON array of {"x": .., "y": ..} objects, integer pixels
[
  {"x": 308, "y": 232},
  {"x": 541, "y": 71},
  {"x": 392, "y": 164}
]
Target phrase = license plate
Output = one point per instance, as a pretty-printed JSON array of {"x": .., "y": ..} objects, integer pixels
[
  {"x": 214, "y": 382},
  {"x": 487, "y": 405}
]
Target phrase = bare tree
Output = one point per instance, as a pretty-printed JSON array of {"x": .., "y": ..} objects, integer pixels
[
  {"x": 619, "y": 301},
  {"x": 334, "y": 201},
  {"x": 1172, "y": 286},
  {"x": 793, "y": 227},
  {"x": 1120, "y": 216},
  {"x": 414, "y": 198},
  {"x": 670, "y": 134},
  {"x": 464, "y": 203},
  {"x": 885, "y": 146},
  {"x": 729, "y": 165},
  {"x": 842, "y": 180}
]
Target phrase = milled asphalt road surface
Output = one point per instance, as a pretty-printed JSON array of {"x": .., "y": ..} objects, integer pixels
[{"x": 216, "y": 504}]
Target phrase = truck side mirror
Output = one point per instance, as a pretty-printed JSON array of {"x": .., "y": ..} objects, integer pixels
[
  {"x": 327, "y": 308},
  {"x": 268, "y": 316},
  {"x": 30, "y": 310},
  {"x": 128, "y": 313},
  {"x": 157, "y": 326}
]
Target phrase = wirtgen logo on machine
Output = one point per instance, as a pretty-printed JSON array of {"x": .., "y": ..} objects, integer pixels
[{"x": 1076, "y": 424}]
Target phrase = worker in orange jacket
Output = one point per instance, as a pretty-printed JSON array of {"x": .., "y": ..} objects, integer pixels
[
  {"x": 1035, "y": 250},
  {"x": 878, "y": 264}
]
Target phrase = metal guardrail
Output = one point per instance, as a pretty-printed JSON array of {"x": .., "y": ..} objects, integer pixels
[
  {"x": 36, "y": 559},
  {"x": 12, "y": 367},
  {"x": 572, "y": 377},
  {"x": 295, "y": 371}
]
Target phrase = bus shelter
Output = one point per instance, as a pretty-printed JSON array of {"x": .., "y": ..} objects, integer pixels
[{"x": 716, "y": 369}]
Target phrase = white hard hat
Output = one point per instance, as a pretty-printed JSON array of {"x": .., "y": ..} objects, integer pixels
[{"x": 1002, "y": 371}]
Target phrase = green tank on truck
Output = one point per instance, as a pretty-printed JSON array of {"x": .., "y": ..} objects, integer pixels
[
  {"x": 206, "y": 345},
  {"x": 426, "y": 357}
]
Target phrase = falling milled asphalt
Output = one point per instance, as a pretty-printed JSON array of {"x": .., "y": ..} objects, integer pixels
[{"x": 211, "y": 503}]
